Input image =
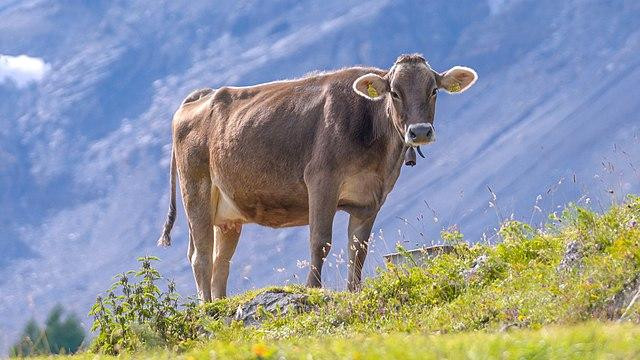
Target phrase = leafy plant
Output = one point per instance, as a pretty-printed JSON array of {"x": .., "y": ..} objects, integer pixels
[{"x": 136, "y": 313}]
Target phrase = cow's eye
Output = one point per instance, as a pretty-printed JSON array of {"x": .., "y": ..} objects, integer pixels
[{"x": 395, "y": 95}]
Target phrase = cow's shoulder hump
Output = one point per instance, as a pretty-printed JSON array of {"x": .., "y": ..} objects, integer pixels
[{"x": 197, "y": 95}]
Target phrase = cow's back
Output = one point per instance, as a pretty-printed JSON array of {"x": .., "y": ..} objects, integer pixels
[{"x": 261, "y": 138}]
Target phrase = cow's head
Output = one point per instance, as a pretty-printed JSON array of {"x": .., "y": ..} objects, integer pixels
[{"x": 410, "y": 89}]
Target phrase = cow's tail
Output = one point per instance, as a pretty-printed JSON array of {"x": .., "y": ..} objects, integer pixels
[{"x": 165, "y": 239}]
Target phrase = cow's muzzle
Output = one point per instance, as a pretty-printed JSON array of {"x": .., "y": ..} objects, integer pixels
[{"x": 419, "y": 134}]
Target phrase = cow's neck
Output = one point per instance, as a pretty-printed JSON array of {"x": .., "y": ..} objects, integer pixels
[
  {"x": 394, "y": 138},
  {"x": 385, "y": 142},
  {"x": 394, "y": 146}
]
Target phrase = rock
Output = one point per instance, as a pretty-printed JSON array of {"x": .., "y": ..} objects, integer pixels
[
  {"x": 272, "y": 301},
  {"x": 615, "y": 308},
  {"x": 477, "y": 264},
  {"x": 508, "y": 326},
  {"x": 416, "y": 257},
  {"x": 572, "y": 256}
]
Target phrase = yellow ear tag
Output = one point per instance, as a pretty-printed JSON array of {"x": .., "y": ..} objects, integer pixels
[
  {"x": 372, "y": 91},
  {"x": 455, "y": 87}
]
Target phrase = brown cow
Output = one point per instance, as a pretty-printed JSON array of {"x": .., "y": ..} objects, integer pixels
[{"x": 293, "y": 152}]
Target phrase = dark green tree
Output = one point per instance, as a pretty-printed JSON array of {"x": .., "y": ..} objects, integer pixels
[
  {"x": 59, "y": 335},
  {"x": 63, "y": 335},
  {"x": 31, "y": 342}
]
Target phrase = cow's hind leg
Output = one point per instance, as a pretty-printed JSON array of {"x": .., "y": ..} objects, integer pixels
[
  {"x": 224, "y": 247},
  {"x": 197, "y": 197}
]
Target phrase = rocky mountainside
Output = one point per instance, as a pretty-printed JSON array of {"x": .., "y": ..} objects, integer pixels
[{"x": 84, "y": 152}]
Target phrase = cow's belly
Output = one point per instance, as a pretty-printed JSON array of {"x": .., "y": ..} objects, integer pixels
[
  {"x": 275, "y": 210},
  {"x": 360, "y": 194}
]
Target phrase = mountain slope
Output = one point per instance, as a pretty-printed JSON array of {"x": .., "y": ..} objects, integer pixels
[{"x": 84, "y": 189}]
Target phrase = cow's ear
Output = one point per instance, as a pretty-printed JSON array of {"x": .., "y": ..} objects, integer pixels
[
  {"x": 457, "y": 79},
  {"x": 371, "y": 86}
]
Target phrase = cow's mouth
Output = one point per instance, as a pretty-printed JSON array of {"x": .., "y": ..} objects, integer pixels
[{"x": 417, "y": 144}]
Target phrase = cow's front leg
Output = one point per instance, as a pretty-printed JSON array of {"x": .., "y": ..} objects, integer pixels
[
  {"x": 323, "y": 200},
  {"x": 359, "y": 234}
]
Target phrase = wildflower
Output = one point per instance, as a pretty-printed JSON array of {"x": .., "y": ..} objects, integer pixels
[{"x": 261, "y": 350}]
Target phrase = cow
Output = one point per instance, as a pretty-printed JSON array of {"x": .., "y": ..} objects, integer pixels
[{"x": 293, "y": 152}]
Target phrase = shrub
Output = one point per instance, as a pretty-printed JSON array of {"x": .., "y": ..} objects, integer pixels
[{"x": 136, "y": 313}]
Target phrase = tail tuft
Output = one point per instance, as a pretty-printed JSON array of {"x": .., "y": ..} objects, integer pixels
[{"x": 165, "y": 240}]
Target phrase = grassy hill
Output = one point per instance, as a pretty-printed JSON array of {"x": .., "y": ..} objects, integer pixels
[
  {"x": 566, "y": 291},
  {"x": 584, "y": 341}
]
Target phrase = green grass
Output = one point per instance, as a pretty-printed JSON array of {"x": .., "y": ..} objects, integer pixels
[
  {"x": 577, "y": 342},
  {"x": 584, "y": 341},
  {"x": 518, "y": 305}
]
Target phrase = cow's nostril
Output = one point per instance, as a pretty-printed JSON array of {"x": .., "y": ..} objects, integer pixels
[
  {"x": 429, "y": 132},
  {"x": 412, "y": 134}
]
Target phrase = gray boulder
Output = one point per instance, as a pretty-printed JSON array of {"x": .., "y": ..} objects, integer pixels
[
  {"x": 618, "y": 306},
  {"x": 275, "y": 302}
]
